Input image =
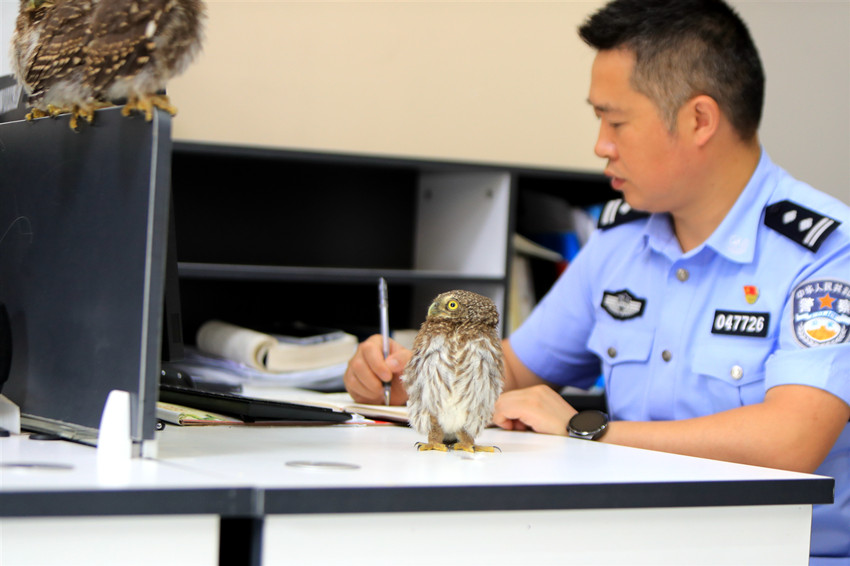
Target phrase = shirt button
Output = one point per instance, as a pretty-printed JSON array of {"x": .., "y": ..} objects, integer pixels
[
  {"x": 737, "y": 372},
  {"x": 682, "y": 274},
  {"x": 612, "y": 352},
  {"x": 666, "y": 355}
]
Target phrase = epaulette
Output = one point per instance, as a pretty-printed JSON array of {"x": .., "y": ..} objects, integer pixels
[
  {"x": 616, "y": 212},
  {"x": 797, "y": 223}
]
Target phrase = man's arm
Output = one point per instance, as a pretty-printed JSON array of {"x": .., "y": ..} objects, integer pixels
[
  {"x": 794, "y": 428},
  {"x": 517, "y": 375}
]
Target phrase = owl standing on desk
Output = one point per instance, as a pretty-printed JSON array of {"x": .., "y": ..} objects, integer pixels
[{"x": 456, "y": 372}]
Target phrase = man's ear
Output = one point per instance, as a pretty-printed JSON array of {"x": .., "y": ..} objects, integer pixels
[{"x": 701, "y": 117}]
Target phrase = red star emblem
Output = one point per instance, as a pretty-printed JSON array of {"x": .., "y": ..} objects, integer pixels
[
  {"x": 826, "y": 301},
  {"x": 751, "y": 293}
]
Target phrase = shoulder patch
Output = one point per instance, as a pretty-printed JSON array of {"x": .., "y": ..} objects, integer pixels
[
  {"x": 821, "y": 312},
  {"x": 804, "y": 226},
  {"x": 616, "y": 212}
]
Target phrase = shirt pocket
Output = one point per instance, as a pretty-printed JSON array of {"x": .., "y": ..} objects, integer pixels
[
  {"x": 732, "y": 375},
  {"x": 617, "y": 344},
  {"x": 624, "y": 350}
]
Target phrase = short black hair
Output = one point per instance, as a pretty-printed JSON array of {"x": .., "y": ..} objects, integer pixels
[{"x": 684, "y": 48}]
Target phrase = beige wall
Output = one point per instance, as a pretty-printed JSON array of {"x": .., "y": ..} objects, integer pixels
[
  {"x": 805, "y": 49},
  {"x": 503, "y": 82}
]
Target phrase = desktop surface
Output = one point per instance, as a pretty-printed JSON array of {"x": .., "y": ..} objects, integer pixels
[{"x": 532, "y": 471}]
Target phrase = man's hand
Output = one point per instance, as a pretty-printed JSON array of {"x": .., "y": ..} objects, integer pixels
[
  {"x": 539, "y": 408},
  {"x": 367, "y": 372}
]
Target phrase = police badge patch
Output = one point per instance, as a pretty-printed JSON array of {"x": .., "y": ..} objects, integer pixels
[
  {"x": 622, "y": 305},
  {"x": 822, "y": 312}
]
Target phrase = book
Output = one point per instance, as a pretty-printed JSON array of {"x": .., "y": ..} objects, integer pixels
[
  {"x": 206, "y": 368},
  {"x": 187, "y": 416},
  {"x": 522, "y": 298},
  {"x": 275, "y": 353},
  {"x": 525, "y": 246}
]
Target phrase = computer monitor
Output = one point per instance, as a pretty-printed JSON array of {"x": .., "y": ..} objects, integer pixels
[{"x": 84, "y": 220}]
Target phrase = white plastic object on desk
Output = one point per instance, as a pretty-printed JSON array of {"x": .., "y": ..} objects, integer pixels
[
  {"x": 113, "y": 440},
  {"x": 10, "y": 415}
]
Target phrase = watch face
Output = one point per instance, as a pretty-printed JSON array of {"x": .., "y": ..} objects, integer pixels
[{"x": 588, "y": 422}]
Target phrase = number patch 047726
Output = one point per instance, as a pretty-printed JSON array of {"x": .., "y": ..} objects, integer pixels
[{"x": 735, "y": 323}]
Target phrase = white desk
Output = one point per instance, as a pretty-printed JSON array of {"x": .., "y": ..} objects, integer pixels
[
  {"x": 138, "y": 512},
  {"x": 541, "y": 500}
]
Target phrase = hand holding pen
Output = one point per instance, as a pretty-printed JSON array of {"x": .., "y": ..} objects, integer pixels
[
  {"x": 377, "y": 363},
  {"x": 368, "y": 371}
]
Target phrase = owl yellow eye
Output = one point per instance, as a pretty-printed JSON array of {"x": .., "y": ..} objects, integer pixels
[{"x": 452, "y": 305}]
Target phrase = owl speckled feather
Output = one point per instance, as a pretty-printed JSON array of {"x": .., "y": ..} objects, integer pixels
[
  {"x": 456, "y": 372},
  {"x": 26, "y": 38},
  {"x": 138, "y": 46},
  {"x": 48, "y": 57}
]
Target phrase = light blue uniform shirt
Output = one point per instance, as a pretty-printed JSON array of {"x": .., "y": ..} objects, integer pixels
[{"x": 680, "y": 335}]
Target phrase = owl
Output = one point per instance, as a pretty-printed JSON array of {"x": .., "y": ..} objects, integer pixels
[
  {"x": 25, "y": 39},
  {"x": 137, "y": 46},
  {"x": 456, "y": 372},
  {"x": 48, "y": 57}
]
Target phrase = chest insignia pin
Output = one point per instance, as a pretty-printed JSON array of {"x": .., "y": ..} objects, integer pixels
[{"x": 622, "y": 305}]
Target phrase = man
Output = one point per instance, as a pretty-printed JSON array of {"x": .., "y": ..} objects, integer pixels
[{"x": 720, "y": 313}]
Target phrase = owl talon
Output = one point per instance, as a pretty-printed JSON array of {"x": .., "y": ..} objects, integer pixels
[
  {"x": 146, "y": 104},
  {"x": 36, "y": 113},
  {"x": 471, "y": 448},
  {"x": 426, "y": 446},
  {"x": 85, "y": 112}
]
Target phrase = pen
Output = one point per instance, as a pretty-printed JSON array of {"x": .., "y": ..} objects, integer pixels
[{"x": 383, "y": 307}]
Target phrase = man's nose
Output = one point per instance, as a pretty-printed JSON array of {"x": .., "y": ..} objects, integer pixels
[{"x": 604, "y": 147}]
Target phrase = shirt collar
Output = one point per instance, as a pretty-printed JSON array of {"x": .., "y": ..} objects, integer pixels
[{"x": 735, "y": 237}]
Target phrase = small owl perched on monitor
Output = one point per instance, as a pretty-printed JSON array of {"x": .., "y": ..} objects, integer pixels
[
  {"x": 456, "y": 372},
  {"x": 26, "y": 39},
  {"x": 79, "y": 55},
  {"x": 48, "y": 57},
  {"x": 138, "y": 45}
]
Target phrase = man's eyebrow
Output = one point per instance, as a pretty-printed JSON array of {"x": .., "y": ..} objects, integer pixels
[{"x": 603, "y": 108}]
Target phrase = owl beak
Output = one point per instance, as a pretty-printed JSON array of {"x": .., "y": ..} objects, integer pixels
[{"x": 432, "y": 309}]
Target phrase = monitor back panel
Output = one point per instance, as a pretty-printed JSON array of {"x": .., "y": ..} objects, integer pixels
[{"x": 83, "y": 233}]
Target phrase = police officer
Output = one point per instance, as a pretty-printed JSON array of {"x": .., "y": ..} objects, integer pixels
[{"x": 716, "y": 293}]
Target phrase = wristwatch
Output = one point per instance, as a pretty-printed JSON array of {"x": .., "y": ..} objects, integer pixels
[{"x": 589, "y": 425}]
